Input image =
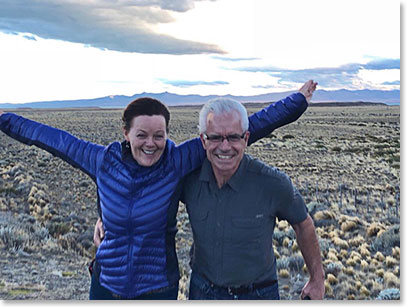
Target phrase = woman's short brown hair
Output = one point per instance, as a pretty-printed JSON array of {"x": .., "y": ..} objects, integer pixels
[{"x": 145, "y": 106}]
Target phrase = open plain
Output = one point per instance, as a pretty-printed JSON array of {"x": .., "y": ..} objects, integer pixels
[{"x": 344, "y": 160}]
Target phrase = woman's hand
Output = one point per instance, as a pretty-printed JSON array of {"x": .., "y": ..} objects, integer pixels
[{"x": 308, "y": 89}]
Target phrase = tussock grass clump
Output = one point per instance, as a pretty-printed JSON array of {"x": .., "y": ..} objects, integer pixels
[
  {"x": 364, "y": 250},
  {"x": 379, "y": 256},
  {"x": 388, "y": 239},
  {"x": 324, "y": 215},
  {"x": 279, "y": 235},
  {"x": 349, "y": 271},
  {"x": 328, "y": 288},
  {"x": 283, "y": 273},
  {"x": 374, "y": 228},
  {"x": 364, "y": 291},
  {"x": 391, "y": 280},
  {"x": 331, "y": 279},
  {"x": 340, "y": 243},
  {"x": 390, "y": 261},
  {"x": 296, "y": 262},
  {"x": 283, "y": 225},
  {"x": 380, "y": 273},
  {"x": 23, "y": 235},
  {"x": 348, "y": 226},
  {"x": 395, "y": 251},
  {"x": 356, "y": 241},
  {"x": 364, "y": 265},
  {"x": 282, "y": 263},
  {"x": 332, "y": 255}
]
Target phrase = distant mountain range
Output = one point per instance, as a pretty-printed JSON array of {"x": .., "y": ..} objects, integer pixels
[{"x": 120, "y": 101}]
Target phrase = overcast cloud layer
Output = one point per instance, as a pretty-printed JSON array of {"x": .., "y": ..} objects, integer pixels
[
  {"x": 327, "y": 76},
  {"x": 121, "y": 25}
]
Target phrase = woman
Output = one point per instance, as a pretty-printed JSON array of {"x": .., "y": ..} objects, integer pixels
[{"x": 135, "y": 181}]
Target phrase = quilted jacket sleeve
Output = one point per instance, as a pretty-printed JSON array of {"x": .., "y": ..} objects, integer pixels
[
  {"x": 278, "y": 114},
  {"x": 189, "y": 155},
  {"x": 79, "y": 153}
]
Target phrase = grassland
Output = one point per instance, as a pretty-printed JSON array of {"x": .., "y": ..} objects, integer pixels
[{"x": 344, "y": 160}]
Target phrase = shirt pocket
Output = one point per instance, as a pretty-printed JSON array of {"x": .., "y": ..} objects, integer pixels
[{"x": 245, "y": 230}]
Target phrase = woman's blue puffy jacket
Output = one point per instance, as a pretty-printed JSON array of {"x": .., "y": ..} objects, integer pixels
[{"x": 134, "y": 200}]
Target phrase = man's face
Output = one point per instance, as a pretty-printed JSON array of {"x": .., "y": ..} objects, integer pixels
[{"x": 224, "y": 155}]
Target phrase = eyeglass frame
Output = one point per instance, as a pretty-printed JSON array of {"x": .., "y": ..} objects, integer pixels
[{"x": 223, "y": 137}]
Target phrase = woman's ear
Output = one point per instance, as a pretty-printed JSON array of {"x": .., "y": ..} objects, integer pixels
[{"x": 126, "y": 135}]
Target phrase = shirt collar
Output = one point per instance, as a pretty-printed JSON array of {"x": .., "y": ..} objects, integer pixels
[{"x": 235, "y": 182}]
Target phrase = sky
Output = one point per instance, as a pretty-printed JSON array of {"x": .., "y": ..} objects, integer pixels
[{"x": 79, "y": 49}]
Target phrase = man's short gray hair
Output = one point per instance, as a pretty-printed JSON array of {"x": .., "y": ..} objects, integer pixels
[{"x": 220, "y": 106}]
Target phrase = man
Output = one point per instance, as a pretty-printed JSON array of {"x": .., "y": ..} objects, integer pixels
[{"x": 232, "y": 203}]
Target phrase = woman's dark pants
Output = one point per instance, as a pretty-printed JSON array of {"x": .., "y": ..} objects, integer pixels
[{"x": 98, "y": 292}]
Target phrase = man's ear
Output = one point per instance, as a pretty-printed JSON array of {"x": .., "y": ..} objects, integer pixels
[
  {"x": 246, "y": 137},
  {"x": 202, "y": 140}
]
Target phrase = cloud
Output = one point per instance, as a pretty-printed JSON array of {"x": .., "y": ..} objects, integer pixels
[
  {"x": 342, "y": 76},
  {"x": 30, "y": 37},
  {"x": 391, "y": 83},
  {"x": 383, "y": 64},
  {"x": 186, "y": 83},
  {"x": 229, "y": 59},
  {"x": 121, "y": 25}
]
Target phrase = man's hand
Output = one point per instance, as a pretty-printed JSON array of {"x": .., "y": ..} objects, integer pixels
[
  {"x": 309, "y": 246},
  {"x": 308, "y": 89},
  {"x": 99, "y": 233},
  {"x": 314, "y": 289}
]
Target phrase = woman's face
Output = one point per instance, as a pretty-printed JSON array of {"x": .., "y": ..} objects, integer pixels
[{"x": 147, "y": 137}]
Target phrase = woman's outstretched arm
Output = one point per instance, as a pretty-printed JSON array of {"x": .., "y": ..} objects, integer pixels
[
  {"x": 280, "y": 113},
  {"x": 79, "y": 153}
]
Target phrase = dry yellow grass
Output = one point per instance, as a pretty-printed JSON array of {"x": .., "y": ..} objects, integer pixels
[
  {"x": 380, "y": 272},
  {"x": 390, "y": 261},
  {"x": 390, "y": 280},
  {"x": 374, "y": 228},
  {"x": 395, "y": 251},
  {"x": 379, "y": 256},
  {"x": 332, "y": 255},
  {"x": 332, "y": 280},
  {"x": 364, "y": 291},
  {"x": 351, "y": 262},
  {"x": 364, "y": 265},
  {"x": 286, "y": 242},
  {"x": 348, "y": 226},
  {"x": 324, "y": 215},
  {"x": 283, "y": 273},
  {"x": 282, "y": 225},
  {"x": 364, "y": 250},
  {"x": 340, "y": 243},
  {"x": 349, "y": 271},
  {"x": 356, "y": 241}
]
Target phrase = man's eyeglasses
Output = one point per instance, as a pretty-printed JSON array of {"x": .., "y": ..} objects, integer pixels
[{"x": 231, "y": 138}]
